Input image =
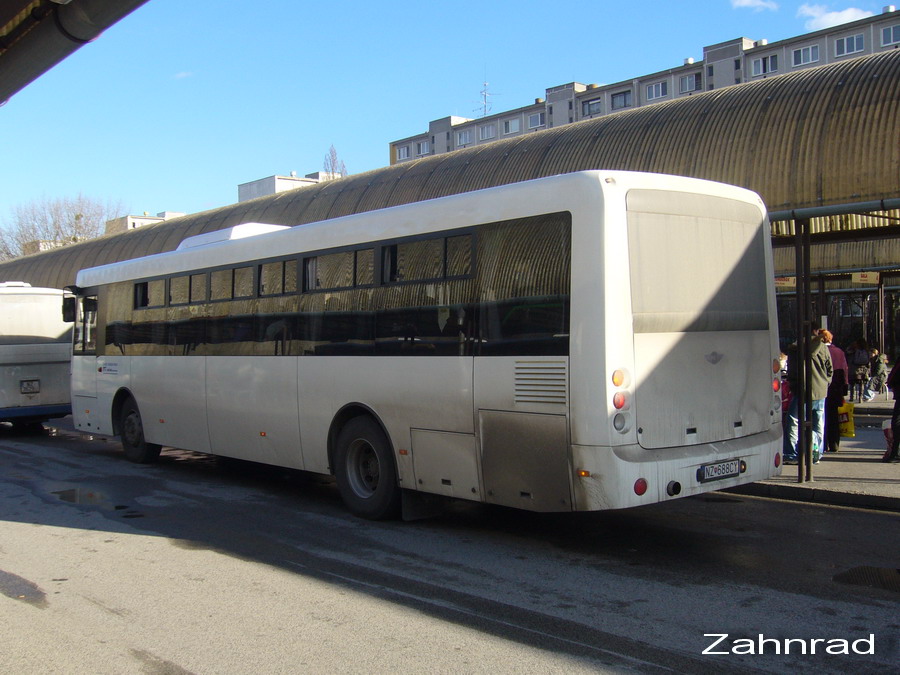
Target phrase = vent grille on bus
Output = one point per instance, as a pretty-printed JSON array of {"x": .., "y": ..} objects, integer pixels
[{"x": 541, "y": 382}]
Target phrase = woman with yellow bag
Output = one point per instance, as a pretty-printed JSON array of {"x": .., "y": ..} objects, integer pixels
[{"x": 837, "y": 390}]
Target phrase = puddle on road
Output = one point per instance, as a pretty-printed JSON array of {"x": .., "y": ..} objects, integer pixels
[
  {"x": 82, "y": 496},
  {"x": 90, "y": 497}
]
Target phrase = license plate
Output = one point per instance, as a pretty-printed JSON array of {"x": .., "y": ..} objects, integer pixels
[
  {"x": 719, "y": 470},
  {"x": 30, "y": 386}
]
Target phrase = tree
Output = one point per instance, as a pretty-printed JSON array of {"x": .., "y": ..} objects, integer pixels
[
  {"x": 334, "y": 164},
  {"x": 50, "y": 223}
]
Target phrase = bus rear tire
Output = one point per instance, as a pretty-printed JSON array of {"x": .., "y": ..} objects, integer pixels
[
  {"x": 131, "y": 430},
  {"x": 365, "y": 471}
]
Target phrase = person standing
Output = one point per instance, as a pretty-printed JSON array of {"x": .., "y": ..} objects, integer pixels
[
  {"x": 877, "y": 373},
  {"x": 858, "y": 359},
  {"x": 819, "y": 378},
  {"x": 837, "y": 390},
  {"x": 893, "y": 383}
]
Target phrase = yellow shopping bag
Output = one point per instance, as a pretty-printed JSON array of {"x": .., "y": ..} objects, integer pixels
[{"x": 845, "y": 416}]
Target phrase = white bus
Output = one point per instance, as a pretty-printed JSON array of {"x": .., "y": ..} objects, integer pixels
[
  {"x": 35, "y": 354},
  {"x": 587, "y": 341}
]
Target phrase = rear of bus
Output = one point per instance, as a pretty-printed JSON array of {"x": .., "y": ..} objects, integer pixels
[
  {"x": 35, "y": 354},
  {"x": 690, "y": 349}
]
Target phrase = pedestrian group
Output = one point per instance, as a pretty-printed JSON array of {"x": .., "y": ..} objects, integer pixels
[{"x": 860, "y": 371}]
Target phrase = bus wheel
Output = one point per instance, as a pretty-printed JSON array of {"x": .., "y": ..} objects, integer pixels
[
  {"x": 131, "y": 429},
  {"x": 365, "y": 471}
]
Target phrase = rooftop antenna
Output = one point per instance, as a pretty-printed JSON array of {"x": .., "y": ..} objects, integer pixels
[{"x": 485, "y": 102}]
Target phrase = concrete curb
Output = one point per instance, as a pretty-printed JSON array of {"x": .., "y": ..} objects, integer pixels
[{"x": 805, "y": 493}]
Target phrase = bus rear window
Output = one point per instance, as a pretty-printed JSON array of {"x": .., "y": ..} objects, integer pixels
[{"x": 697, "y": 263}]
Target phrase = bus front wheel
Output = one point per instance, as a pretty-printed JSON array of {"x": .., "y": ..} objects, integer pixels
[
  {"x": 365, "y": 472},
  {"x": 131, "y": 429}
]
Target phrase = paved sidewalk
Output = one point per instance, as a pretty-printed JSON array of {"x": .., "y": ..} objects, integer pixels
[{"x": 855, "y": 476}]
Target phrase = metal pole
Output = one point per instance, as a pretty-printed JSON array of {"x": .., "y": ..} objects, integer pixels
[
  {"x": 800, "y": 266},
  {"x": 822, "y": 303},
  {"x": 806, "y": 456}
]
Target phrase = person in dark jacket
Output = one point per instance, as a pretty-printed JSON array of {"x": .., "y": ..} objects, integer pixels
[
  {"x": 858, "y": 360},
  {"x": 819, "y": 379},
  {"x": 893, "y": 383},
  {"x": 877, "y": 374},
  {"x": 837, "y": 390}
]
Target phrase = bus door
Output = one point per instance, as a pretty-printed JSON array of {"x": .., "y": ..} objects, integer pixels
[{"x": 84, "y": 365}]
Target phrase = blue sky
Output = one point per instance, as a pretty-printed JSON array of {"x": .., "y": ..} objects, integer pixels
[{"x": 182, "y": 100}]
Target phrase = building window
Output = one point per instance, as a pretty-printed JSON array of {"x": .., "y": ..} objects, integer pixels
[
  {"x": 536, "y": 120},
  {"x": 806, "y": 55},
  {"x": 591, "y": 107},
  {"x": 890, "y": 35},
  {"x": 422, "y": 148},
  {"x": 690, "y": 83},
  {"x": 403, "y": 152},
  {"x": 849, "y": 45},
  {"x": 487, "y": 132},
  {"x": 621, "y": 100},
  {"x": 658, "y": 90},
  {"x": 464, "y": 137},
  {"x": 765, "y": 65},
  {"x": 512, "y": 126}
]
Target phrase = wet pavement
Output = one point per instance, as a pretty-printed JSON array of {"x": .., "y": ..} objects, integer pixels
[{"x": 855, "y": 476}]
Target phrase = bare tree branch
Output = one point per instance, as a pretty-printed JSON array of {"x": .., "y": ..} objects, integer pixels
[
  {"x": 49, "y": 223},
  {"x": 334, "y": 164}
]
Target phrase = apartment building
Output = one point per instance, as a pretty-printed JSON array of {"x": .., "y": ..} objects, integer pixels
[{"x": 725, "y": 64}]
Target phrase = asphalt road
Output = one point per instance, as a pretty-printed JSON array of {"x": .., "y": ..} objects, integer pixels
[{"x": 194, "y": 566}]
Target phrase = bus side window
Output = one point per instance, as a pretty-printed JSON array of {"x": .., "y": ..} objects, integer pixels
[
  {"x": 150, "y": 294},
  {"x": 198, "y": 288},
  {"x": 420, "y": 260},
  {"x": 290, "y": 276},
  {"x": 179, "y": 290},
  {"x": 271, "y": 278},
  {"x": 365, "y": 267},
  {"x": 389, "y": 271},
  {"x": 459, "y": 255},
  {"x": 220, "y": 285},
  {"x": 335, "y": 270},
  {"x": 278, "y": 278},
  {"x": 310, "y": 274}
]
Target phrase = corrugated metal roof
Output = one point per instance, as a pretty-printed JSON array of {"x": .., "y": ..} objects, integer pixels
[{"x": 820, "y": 136}]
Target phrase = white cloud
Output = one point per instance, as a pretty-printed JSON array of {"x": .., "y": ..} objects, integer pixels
[
  {"x": 819, "y": 17},
  {"x": 755, "y": 5},
  {"x": 183, "y": 74}
]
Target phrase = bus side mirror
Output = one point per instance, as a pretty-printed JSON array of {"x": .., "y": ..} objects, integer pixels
[{"x": 68, "y": 308}]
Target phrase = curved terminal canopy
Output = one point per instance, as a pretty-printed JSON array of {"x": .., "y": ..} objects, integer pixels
[{"x": 817, "y": 137}]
